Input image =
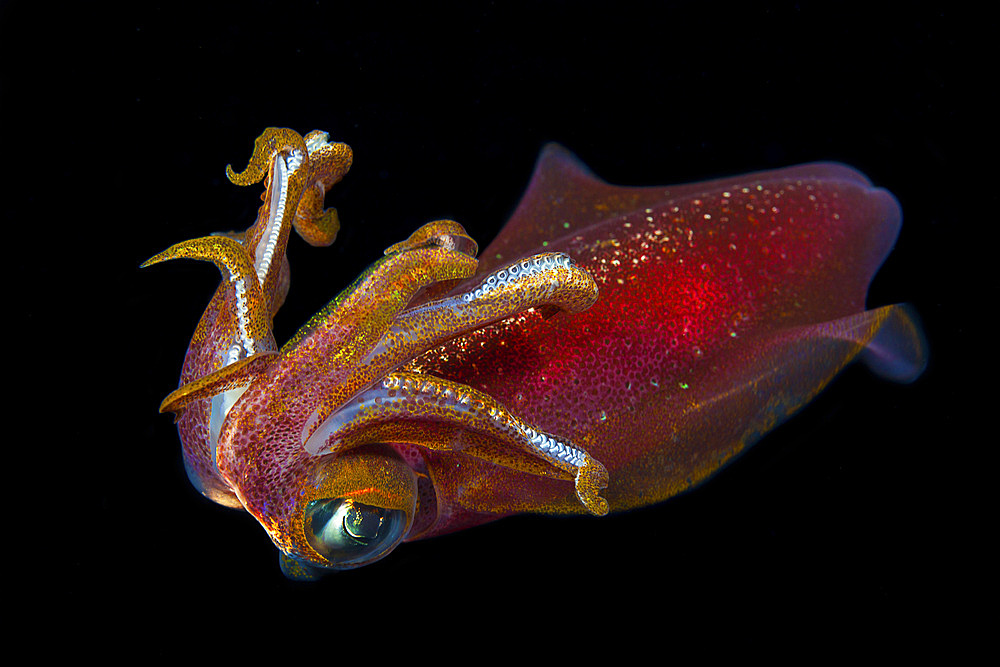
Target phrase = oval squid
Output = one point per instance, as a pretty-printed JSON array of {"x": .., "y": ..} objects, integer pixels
[{"x": 612, "y": 347}]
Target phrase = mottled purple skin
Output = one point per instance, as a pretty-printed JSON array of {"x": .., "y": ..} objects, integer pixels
[
  {"x": 205, "y": 355},
  {"x": 202, "y": 358}
]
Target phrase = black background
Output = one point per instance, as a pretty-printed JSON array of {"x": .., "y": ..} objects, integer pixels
[{"x": 123, "y": 119}]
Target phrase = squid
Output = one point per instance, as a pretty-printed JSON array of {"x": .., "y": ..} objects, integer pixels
[{"x": 611, "y": 348}]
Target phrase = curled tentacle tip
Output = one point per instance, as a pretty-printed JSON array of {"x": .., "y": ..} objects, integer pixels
[
  {"x": 446, "y": 234},
  {"x": 593, "y": 503},
  {"x": 600, "y": 508},
  {"x": 591, "y": 477},
  {"x": 319, "y": 231},
  {"x": 252, "y": 174},
  {"x": 272, "y": 140}
]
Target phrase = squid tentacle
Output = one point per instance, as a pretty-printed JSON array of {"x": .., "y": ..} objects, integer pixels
[
  {"x": 461, "y": 418},
  {"x": 543, "y": 280},
  {"x": 328, "y": 163},
  {"x": 234, "y": 376}
]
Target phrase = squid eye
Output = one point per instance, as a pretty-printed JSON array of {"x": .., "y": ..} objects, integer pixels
[{"x": 349, "y": 533}]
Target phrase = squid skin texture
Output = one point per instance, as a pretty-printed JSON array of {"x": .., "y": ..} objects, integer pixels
[
  {"x": 725, "y": 306},
  {"x": 671, "y": 328}
]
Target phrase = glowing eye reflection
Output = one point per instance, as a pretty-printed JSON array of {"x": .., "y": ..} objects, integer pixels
[{"x": 349, "y": 533}]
